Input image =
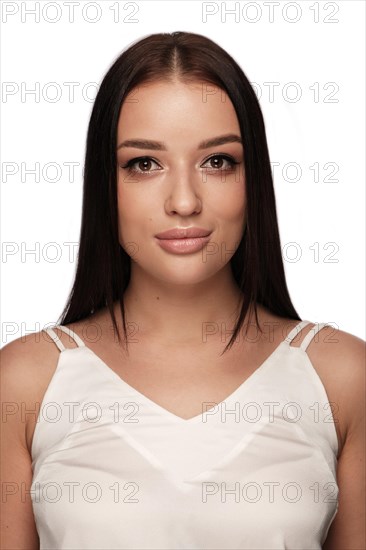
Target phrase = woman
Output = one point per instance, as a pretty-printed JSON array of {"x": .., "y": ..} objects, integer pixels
[{"x": 160, "y": 435}]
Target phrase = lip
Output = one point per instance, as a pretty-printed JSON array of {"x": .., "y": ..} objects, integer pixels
[
  {"x": 183, "y": 246},
  {"x": 183, "y": 233}
]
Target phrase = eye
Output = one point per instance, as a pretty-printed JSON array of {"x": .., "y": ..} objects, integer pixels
[
  {"x": 143, "y": 163},
  {"x": 218, "y": 163}
]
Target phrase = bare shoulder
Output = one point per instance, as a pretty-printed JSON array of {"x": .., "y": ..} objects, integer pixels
[
  {"x": 339, "y": 359},
  {"x": 27, "y": 365},
  {"x": 23, "y": 361}
]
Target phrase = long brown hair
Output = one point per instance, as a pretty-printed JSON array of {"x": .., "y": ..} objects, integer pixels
[{"x": 103, "y": 267}]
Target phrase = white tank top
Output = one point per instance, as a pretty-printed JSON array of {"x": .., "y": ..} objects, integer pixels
[{"x": 114, "y": 470}]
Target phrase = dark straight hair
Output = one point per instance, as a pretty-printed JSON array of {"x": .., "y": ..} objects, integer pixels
[{"x": 103, "y": 267}]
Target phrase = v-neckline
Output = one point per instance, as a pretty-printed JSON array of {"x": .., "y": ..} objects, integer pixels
[{"x": 169, "y": 414}]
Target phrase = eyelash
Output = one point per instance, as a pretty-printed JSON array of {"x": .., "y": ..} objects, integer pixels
[{"x": 133, "y": 161}]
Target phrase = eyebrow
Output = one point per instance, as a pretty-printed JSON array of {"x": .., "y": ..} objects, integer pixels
[{"x": 160, "y": 146}]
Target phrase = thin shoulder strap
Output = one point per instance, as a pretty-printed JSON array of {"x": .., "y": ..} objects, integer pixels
[
  {"x": 73, "y": 335},
  {"x": 295, "y": 331},
  {"x": 310, "y": 335},
  {"x": 57, "y": 340}
]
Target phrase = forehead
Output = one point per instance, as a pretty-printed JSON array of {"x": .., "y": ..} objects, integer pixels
[{"x": 166, "y": 106}]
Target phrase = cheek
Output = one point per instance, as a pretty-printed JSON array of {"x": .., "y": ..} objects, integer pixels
[
  {"x": 134, "y": 214},
  {"x": 229, "y": 205},
  {"x": 126, "y": 214}
]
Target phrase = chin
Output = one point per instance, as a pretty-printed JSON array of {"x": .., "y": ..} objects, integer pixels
[{"x": 182, "y": 275}]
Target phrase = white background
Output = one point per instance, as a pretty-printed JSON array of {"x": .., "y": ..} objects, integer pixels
[{"x": 319, "y": 46}]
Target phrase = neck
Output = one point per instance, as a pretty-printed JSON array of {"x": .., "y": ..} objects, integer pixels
[{"x": 182, "y": 314}]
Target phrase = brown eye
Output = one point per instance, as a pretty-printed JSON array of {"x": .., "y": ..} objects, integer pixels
[
  {"x": 141, "y": 165},
  {"x": 144, "y": 164},
  {"x": 217, "y": 162}
]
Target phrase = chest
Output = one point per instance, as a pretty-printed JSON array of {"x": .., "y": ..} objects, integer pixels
[
  {"x": 190, "y": 380},
  {"x": 184, "y": 380}
]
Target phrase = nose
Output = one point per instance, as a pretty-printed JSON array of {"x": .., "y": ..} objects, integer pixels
[{"x": 183, "y": 195}]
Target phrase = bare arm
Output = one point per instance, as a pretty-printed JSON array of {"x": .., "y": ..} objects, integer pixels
[
  {"x": 18, "y": 529},
  {"x": 347, "y": 531}
]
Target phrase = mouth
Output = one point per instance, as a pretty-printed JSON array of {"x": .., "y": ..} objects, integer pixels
[
  {"x": 184, "y": 245},
  {"x": 182, "y": 233}
]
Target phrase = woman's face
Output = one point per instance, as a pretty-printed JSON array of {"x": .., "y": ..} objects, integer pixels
[{"x": 181, "y": 182}]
